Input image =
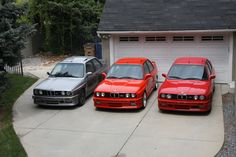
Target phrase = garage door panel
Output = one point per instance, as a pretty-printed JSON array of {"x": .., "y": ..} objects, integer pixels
[{"x": 165, "y": 53}]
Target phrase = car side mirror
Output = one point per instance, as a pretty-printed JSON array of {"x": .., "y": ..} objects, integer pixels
[
  {"x": 147, "y": 76},
  {"x": 104, "y": 75},
  {"x": 49, "y": 74},
  {"x": 212, "y": 77},
  {"x": 164, "y": 75},
  {"x": 89, "y": 73}
]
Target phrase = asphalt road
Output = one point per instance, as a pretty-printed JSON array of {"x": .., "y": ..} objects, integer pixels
[{"x": 87, "y": 132}]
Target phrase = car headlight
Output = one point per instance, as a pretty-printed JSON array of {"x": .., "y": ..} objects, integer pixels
[
  {"x": 127, "y": 95},
  {"x": 163, "y": 95},
  {"x": 68, "y": 93},
  {"x": 133, "y": 95},
  {"x": 195, "y": 97},
  {"x": 63, "y": 93},
  {"x": 168, "y": 96},
  {"x": 40, "y": 92},
  {"x": 201, "y": 97},
  {"x": 36, "y": 92},
  {"x": 98, "y": 94},
  {"x": 103, "y": 94}
]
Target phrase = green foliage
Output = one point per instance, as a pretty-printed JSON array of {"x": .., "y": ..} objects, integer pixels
[
  {"x": 66, "y": 24},
  {"x": 13, "y": 31},
  {"x": 9, "y": 143}
]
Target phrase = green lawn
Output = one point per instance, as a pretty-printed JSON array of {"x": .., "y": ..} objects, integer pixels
[{"x": 10, "y": 145}]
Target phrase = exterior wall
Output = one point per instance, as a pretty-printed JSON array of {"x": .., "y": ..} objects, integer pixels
[{"x": 106, "y": 50}]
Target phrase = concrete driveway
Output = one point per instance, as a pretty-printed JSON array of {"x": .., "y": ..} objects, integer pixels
[{"x": 86, "y": 132}]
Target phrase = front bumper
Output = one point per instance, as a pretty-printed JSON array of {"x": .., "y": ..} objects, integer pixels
[
  {"x": 117, "y": 103},
  {"x": 187, "y": 105},
  {"x": 55, "y": 101}
]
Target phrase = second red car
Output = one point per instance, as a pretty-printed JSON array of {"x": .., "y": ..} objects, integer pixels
[
  {"x": 188, "y": 86},
  {"x": 127, "y": 85}
]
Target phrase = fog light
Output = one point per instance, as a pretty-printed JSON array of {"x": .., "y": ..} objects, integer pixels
[
  {"x": 133, "y": 104},
  {"x": 98, "y": 102}
]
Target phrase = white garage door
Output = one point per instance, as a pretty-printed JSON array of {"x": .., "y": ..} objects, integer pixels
[{"x": 165, "y": 49}]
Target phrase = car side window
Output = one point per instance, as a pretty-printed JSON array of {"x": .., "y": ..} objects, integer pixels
[
  {"x": 89, "y": 67},
  {"x": 150, "y": 66},
  {"x": 209, "y": 66},
  {"x": 146, "y": 69},
  {"x": 97, "y": 64},
  {"x": 205, "y": 74}
]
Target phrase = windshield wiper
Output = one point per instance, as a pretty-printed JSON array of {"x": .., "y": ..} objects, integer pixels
[
  {"x": 128, "y": 77},
  {"x": 112, "y": 77},
  {"x": 175, "y": 77},
  {"x": 192, "y": 78},
  {"x": 64, "y": 75}
]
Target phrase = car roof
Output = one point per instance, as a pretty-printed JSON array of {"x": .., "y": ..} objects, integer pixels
[
  {"x": 131, "y": 61},
  {"x": 77, "y": 59},
  {"x": 191, "y": 60}
]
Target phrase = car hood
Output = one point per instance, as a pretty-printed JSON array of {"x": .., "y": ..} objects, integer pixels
[
  {"x": 120, "y": 86},
  {"x": 190, "y": 87},
  {"x": 59, "y": 84}
]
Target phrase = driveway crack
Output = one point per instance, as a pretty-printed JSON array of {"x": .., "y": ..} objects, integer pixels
[
  {"x": 53, "y": 115},
  {"x": 126, "y": 141}
]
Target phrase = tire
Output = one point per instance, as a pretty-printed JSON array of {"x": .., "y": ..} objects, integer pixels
[
  {"x": 81, "y": 98},
  {"x": 144, "y": 101}
]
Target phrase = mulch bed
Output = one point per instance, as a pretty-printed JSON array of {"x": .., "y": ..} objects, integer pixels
[{"x": 229, "y": 147}]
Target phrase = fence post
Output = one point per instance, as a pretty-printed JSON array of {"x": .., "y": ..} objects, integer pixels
[{"x": 21, "y": 67}]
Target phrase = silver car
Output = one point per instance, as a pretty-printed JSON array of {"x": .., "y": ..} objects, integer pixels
[{"x": 70, "y": 82}]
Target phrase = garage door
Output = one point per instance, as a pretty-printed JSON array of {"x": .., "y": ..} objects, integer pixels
[{"x": 165, "y": 49}]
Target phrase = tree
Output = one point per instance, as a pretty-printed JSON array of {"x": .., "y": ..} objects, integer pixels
[
  {"x": 66, "y": 24},
  {"x": 13, "y": 31}
]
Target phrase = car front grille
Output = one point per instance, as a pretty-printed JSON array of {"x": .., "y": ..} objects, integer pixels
[
  {"x": 182, "y": 97},
  {"x": 50, "y": 93},
  {"x": 115, "y": 95}
]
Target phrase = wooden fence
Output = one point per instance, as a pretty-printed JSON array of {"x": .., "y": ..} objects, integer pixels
[{"x": 18, "y": 69}]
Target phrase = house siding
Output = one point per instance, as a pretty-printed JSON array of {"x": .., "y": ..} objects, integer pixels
[{"x": 106, "y": 50}]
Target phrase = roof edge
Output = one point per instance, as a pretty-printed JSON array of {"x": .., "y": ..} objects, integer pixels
[{"x": 175, "y": 31}]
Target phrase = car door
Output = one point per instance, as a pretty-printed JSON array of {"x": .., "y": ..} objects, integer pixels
[
  {"x": 149, "y": 80},
  {"x": 91, "y": 77},
  {"x": 98, "y": 69},
  {"x": 152, "y": 72}
]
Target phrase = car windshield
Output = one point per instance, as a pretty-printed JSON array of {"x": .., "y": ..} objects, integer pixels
[
  {"x": 126, "y": 71},
  {"x": 68, "y": 70},
  {"x": 187, "y": 72}
]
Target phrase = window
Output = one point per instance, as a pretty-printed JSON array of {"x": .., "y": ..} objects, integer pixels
[
  {"x": 183, "y": 38},
  {"x": 68, "y": 70},
  {"x": 97, "y": 64},
  {"x": 212, "y": 38},
  {"x": 129, "y": 38},
  {"x": 146, "y": 69},
  {"x": 157, "y": 38},
  {"x": 150, "y": 66},
  {"x": 89, "y": 67},
  {"x": 209, "y": 66}
]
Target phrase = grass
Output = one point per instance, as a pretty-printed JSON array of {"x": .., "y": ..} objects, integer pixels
[{"x": 10, "y": 145}]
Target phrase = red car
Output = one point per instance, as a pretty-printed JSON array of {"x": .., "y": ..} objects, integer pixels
[
  {"x": 127, "y": 85},
  {"x": 188, "y": 86}
]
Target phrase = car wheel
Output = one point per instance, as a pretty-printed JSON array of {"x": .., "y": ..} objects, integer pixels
[
  {"x": 81, "y": 98},
  {"x": 144, "y": 99}
]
